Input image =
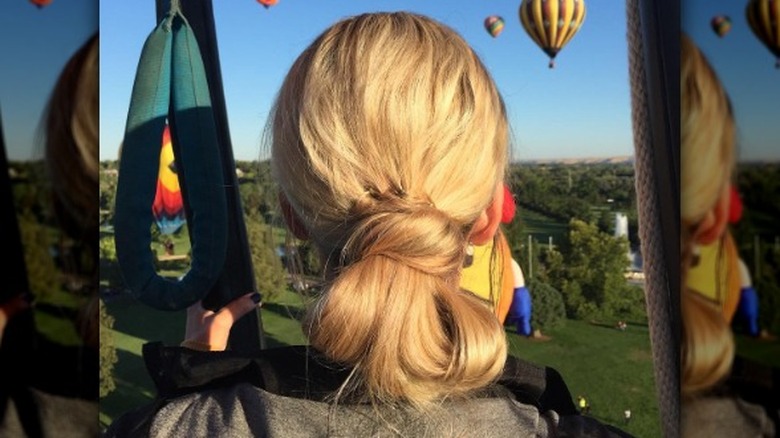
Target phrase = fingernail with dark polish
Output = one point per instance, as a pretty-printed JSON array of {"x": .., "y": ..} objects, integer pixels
[{"x": 256, "y": 297}]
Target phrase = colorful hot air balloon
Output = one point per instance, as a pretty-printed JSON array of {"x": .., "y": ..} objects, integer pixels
[
  {"x": 168, "y": 206},
  {"x": 721, "y": 25},
  {"x": 494, "y": 24},
  {"x": 764, "y": 19},
  {"x": 552, "y": 23},
  {"x": 267, "y": 3},
  {"x": 41, "y": 3}
]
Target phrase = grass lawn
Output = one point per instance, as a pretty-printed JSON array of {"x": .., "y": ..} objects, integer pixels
[
  {"x": 762, "y": 351},
  {"x": 542, "y": 227},
  {"x": 612, "y": 368},
  {"x": 54, "y": 315}
]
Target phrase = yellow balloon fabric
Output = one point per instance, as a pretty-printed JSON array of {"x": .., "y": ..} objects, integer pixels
[
  {"x": 490, "y": 276},
  {"x": 717, "y": 275},
  {"x": 166, "y": 175}
]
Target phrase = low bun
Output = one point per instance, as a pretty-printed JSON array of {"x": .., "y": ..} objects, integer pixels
[{"x": 409, "y": 230}]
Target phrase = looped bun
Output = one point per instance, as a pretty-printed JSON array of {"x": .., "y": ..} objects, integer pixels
[{"x": 409, "y": 230}]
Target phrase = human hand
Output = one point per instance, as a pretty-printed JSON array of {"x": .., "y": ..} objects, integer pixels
[
  {"x": 11, "y": 307},
  {"x": 207, "y": 330}
]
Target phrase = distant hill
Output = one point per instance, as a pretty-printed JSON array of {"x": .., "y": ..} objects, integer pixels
[{"x": 581, "y": 160}]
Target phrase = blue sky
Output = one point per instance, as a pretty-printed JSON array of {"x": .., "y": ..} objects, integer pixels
[
  {"x": 579, "y": 109},
  {"x": 35, "y": 44},
  {"x": 746, "y": 68}
]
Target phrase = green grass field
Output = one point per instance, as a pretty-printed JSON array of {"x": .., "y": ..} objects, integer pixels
[
  {"x": 612, "y": 368},
  {"x": 542, "y": 227},
  {"x": 761, "y": 351}
]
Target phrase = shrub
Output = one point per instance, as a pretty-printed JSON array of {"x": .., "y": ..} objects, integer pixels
[
  {"x": 107, "y": 352},
  {"x": 548, "y": 309}
]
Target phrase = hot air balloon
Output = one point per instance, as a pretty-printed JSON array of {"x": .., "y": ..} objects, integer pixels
[
  {"x": 494, "y": 24},
  {"x": 168, "y": 206},
  {"x": 764, "y": 19},
  {"x": 41, "y": 3},
  {"x": 267, "y": 3},
  {"x": 721, "y": 25},
  {"x": 552, "y": 23}
]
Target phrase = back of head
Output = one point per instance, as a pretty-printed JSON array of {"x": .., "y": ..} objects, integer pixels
[
  {"x": 72, "y": 143},
  {"x": 389, "y": 139},
  {"x": 708, "y": 136},
  {"x": 72, "y": 161},
  {"x": 707, "y": 158}
]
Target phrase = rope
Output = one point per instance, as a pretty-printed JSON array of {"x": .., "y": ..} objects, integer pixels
[
  {"x": 658, "y": 295},
  {"x": 175, "y": 11}
]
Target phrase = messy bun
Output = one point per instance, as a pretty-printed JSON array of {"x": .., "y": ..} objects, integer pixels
[{"x": 387, "y": 169}]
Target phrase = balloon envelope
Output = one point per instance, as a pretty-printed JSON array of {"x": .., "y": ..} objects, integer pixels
[
  {"x": 168, "y": 206},
  {"x": 721, "y": 25},
  {"x": 552, "y": 24},
  {"x": 763, "y": 16},
  {"x": 494, "y": 25},
  {"x": 267, "y": 3},
  {"x": 41, "y": 3}
]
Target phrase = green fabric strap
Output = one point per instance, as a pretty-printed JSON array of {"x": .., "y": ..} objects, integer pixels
[{"x": 170, "y": 77}]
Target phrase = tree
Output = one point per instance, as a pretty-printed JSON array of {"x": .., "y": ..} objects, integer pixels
[
  {"x": 108, "y": 184},
  {"x": 548, "y": 308},
  {"x": 270, "y": 276},
  {"x": 44, "y": 275},
  {"x": 108, "y": 357},
  {"x": 591, "y": 276}
]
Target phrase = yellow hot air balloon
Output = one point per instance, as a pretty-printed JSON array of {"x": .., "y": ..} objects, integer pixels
[
  {"x": 764, "y": 19},
  {"x": 552, "y": 23}
]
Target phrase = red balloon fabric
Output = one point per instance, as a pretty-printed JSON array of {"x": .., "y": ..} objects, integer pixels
[
  {"x": 508, "y": 212},
  {"x": 41, "y": 3},
  {"x": 735, "y": 206}
]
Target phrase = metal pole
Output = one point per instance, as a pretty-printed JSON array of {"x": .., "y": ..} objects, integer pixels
[
  {"x": 237, "y": 276},
  {"x": 530, "y": 258},
  {"x": 756, "y": 256}
]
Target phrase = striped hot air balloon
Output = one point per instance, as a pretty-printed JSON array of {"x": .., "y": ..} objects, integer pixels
[
  {"x": 168, "y": 206},
  {"x": 552, "y": 23},
  {"x": 764, "y": 19},
  {"x": 494, "y": 25}
]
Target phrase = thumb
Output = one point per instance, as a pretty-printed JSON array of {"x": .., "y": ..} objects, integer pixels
[
  {"x": 237, "y": 308},
  {"x": 14, "y": 306}
]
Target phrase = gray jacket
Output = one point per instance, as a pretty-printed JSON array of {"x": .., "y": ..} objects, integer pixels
[{"x": 287, "y": 393}]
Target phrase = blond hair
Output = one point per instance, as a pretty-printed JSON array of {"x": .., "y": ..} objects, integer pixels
[
  {"x": 72, "y": 162},
  {"x": 72, "y": 142},
  {"x": 707, "y": 157},
  {"x": 708, "y": 135},
  {"x": 389, "y": 139}
]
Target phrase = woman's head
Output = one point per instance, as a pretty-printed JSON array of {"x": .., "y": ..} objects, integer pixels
[
  {"x": 707, "y": 156},
  {"x": 708, "y": 147},
  {"x": 390, "y": 142},
  {"x": 72, "y": 143},
  {"x": 71, "y": 158}
]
